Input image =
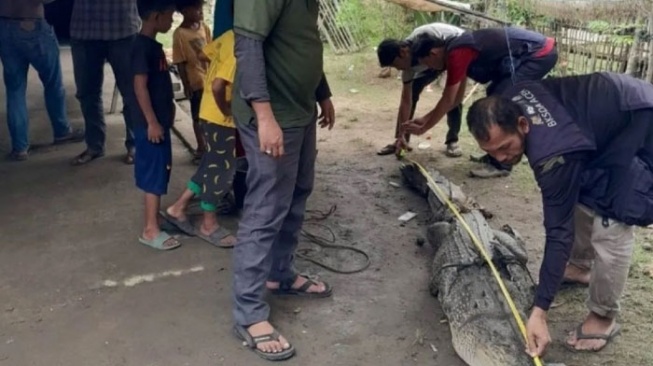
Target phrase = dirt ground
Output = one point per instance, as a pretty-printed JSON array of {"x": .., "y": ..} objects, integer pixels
[{"x": 76, "y": 288}]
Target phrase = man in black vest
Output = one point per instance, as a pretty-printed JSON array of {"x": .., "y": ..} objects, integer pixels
[
  {"x": 589, "y": 141},
  {"x": 498, "y": 56}
]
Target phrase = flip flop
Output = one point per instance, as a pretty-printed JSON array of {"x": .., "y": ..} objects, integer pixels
[
  {"x": 285, "y": 288},
  {"x": 185, "y": 226},
  {"x": 162, "y": 242},
  {"x": 216, "y": 237},
  {"x": 253, "y": 342},
  {"x": 580, "y": 335}
]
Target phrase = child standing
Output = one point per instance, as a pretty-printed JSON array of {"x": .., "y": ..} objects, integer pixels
[
  {"x": 154, "y": 117},
  {"x": 188, "y": 40},
  {"x": 214, "y": 177}
]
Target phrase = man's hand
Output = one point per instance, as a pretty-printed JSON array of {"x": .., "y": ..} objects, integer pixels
[
  {"x": 537, "y": 332},
  {"x": 416, "y": 126},
  {"x": 270, "y": 137},
  {"x": 400, "y": 145},
  {"x": 327, "y": 116},
  {"x": 155, "y": 132}
]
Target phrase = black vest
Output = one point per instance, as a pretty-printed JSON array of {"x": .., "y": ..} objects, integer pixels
[
  {"x": 609, "y": 116},
  {"x": 493, "y": 61}
]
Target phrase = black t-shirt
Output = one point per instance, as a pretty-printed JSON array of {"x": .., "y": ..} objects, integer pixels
[{"x": 147, "y": 57}]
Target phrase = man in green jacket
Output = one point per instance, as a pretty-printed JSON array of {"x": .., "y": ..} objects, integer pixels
[{"x": 279, "y": 83}]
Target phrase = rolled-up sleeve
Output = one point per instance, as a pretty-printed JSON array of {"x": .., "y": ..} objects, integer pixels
[
  {"x": 251, "y": 69},
  {"x": 559, "y": 181},
  {"x": 253, "y": 21}
]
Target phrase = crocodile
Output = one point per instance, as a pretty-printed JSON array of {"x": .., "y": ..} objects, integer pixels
[{"x": 483, "y": 330}]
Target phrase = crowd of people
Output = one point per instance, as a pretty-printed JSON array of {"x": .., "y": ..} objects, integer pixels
[{"x": 258, "y": 89}]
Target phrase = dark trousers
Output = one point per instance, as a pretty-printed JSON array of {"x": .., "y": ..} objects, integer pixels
[
  {"x": 529, "y": 70},
  {"x": 88, "y": 63},
  {"x": 454, "y": 117},
  {"x": 277, "y": 190},
  {"x": 214, "y": 177}
]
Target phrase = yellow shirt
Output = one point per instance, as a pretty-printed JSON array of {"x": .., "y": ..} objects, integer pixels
[
  {"x": 186, "y": 47},
  {"x": 223, "y": 66}
]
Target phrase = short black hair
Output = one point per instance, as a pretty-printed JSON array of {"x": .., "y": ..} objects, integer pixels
[
  {"x": 147, "y": 7},
  {"x": 424, "y": 43},
  {"x": 388, "y": 50},
  {"x": 492, "y": 110},
  {"x": 183, "y": 4}
]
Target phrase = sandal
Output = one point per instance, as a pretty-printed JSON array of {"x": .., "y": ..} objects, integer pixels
[
  {"x": 185, "y": 226},
  {"x": 253, "y": 342},
  {"x": 162, "y": 242},
  {"x": 285, "y": 288},
  {"x": 85, "y": 157},
  {"x": 216, "y": 237},
  {"x": 580, "y": 335}
]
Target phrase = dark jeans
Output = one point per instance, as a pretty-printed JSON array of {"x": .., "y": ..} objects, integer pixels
[
  {"x": 23, "y": 44},
  {"x": 454, "y": 117},
  {"x": 529, "y": 70},
  {"x": 88, "y": 61}
]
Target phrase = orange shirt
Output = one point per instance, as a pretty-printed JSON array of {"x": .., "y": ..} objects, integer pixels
[{"x": 187, "y": 44}]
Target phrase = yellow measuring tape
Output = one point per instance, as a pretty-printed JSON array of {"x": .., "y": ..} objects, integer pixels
[{"x": 481, "y": 248}]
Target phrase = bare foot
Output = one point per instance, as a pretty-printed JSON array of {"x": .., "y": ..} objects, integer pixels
[
  {"x": 576, "y": 274},
  {"x": 264, "y": 328},
  {"x": 177, "y": 213},
  {"x": 150, "y": 233},
  {"x": 592, "y": 326},
  {"x": 299, "y": 282},
  {"x": 228, "y": 240}
]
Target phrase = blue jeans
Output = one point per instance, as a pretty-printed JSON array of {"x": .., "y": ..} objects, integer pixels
[
  {"x": 89, "y": 57},
  {"x": 24, "y": 43}
]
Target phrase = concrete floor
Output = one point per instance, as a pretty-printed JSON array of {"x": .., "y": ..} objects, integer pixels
[{"x": 76, "y": 288}]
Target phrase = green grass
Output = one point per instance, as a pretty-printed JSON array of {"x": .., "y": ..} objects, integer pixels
[{"x": 165, "y": 39}]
